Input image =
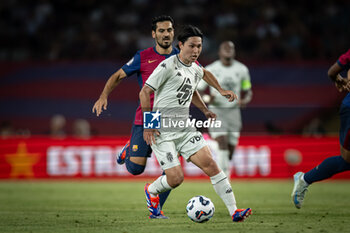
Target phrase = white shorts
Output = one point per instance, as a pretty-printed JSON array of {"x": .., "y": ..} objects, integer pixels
[
  {"x": 232, "y": 137},
  {"x": 168, "y": 145},
  {"x": 231, "y": 124}
]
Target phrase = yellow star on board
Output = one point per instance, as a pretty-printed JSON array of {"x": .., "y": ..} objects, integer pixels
[{"x": 22, "y": 162}]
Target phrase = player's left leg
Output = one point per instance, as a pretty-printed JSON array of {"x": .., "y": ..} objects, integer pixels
[
  {"x": 233, "y": 138},
  {"x": 199, "y": 153},
  {"x": 223, "y": 154},
  {"x": 221, "y": 184},
  {"x": 135, "y": 153},
  {"x": 232, "y": 143}
]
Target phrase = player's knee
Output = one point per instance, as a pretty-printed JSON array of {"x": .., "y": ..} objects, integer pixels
[
  {"x": 134, "y": 169},
  {"x": 175, "y": 181},
  {"x": 345, "y": 154},
  {"x": 210, "y": 168},
  {"x": 346, "y": 158}
]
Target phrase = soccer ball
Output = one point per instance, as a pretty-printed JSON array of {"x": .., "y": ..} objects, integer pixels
[{"x": 200, "y": 209}]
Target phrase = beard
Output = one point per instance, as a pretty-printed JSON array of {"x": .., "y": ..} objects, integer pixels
[{"x": 164, "y": 46}]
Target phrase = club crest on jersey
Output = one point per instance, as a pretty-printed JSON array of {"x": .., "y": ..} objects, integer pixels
[
  {"x": 135, "y": 148},
  {"x": 169, "y": 156},
  {"x": 151, "y": 120}
]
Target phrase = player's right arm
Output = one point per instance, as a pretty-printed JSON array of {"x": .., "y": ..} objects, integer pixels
[
  {"x": 148, "y": 134},
  {"x": 113, "y": 81},
  {"x": 154, "y": 81}
]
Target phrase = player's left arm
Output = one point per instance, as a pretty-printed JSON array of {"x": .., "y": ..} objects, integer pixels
[
  {"x": 212, "y": 81},
  {"x": 199, "y": 103},
  {"x": 246, "y": 90}
]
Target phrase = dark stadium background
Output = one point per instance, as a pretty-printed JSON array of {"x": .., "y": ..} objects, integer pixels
[{"x": 55, "y": 57}]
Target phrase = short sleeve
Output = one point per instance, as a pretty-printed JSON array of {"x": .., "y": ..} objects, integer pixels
[
  {"x": 344, "y": 59},
  {"x": 133, "y": 66},
  {"x": 202, "y": 85},
  {"x": 158, "y": 76}
]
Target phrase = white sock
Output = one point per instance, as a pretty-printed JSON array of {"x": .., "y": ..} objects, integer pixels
[
  {"x": 224, "y": 162},
  {"x": 224, "y": 190},
  {"x": 158, "y": 186},
  {"x": 302, "y": 178}
]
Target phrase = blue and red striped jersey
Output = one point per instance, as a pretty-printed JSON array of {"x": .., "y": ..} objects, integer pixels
[{"x": 142, "y": 64}]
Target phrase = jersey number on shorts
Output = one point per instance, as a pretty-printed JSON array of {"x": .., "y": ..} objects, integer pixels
[{"x": 184, "y": 92}]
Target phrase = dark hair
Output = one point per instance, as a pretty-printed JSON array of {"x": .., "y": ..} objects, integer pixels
[
  {"x": 189, "y": 31},
  {"x": 161, "y": 18}
]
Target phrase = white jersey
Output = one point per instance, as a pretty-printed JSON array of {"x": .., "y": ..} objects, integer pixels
[
  {"x": 235, "y": 78},
  {"x": 174, "y": 84}
]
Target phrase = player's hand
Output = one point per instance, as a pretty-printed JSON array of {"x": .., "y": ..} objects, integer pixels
[
  {"x": 210, "y": 115},
  {"x": 148, "y": 136},
  {"x": 346, "y": 85},
  {"x": 100, "y": 104},
  {"x": 241, "y": 103},
  {"x": 229, "y": 95}
]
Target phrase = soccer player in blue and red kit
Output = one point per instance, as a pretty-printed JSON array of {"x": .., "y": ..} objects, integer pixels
[
  {"x": 136, "y": 151},
  {"x": 335, "y": 164}
]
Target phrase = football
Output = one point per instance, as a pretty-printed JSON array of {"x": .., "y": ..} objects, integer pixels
[{"x": 200, "y": 209}]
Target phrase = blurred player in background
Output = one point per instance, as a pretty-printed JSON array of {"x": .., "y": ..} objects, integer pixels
[
  {"x": 174, "y": 82},
  {"x": 231, "y": 75},
  {"x": 335, "y": 164}
]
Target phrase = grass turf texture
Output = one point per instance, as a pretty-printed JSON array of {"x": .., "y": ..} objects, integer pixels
[{"x": 112, "y": 206}]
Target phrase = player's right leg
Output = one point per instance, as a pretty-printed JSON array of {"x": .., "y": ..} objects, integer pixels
[
  {"x": 167, "y": 157},
  {"x": 159, "y": 187},
  {"x": 136, "y": 154}
]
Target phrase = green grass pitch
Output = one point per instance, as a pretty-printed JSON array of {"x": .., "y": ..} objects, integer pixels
[{"x": 119, "y": 206}]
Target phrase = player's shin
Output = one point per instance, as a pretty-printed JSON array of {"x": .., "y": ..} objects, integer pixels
[
  {"x": 160, "y": 185},
  {"x": 224, "y": 190}
]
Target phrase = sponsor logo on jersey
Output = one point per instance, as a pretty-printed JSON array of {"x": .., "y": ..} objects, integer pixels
[
  {"x": 151, "y": 61},
  {"x": 195, "y": 139}
]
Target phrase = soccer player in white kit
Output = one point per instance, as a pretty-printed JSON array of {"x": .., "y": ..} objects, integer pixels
[
  {"x": 174, "y": 82},
  {"x": 231, "y": 75}
]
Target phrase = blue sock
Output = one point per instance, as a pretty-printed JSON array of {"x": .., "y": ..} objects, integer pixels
[
  {"x": 327, "y": 169},
  {"x": 163, "y": 196}
]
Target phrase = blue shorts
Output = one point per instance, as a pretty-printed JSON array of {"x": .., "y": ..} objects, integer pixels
[
  {"x": 344, "y": 133},
  {"x": 138, "y": 147}
]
